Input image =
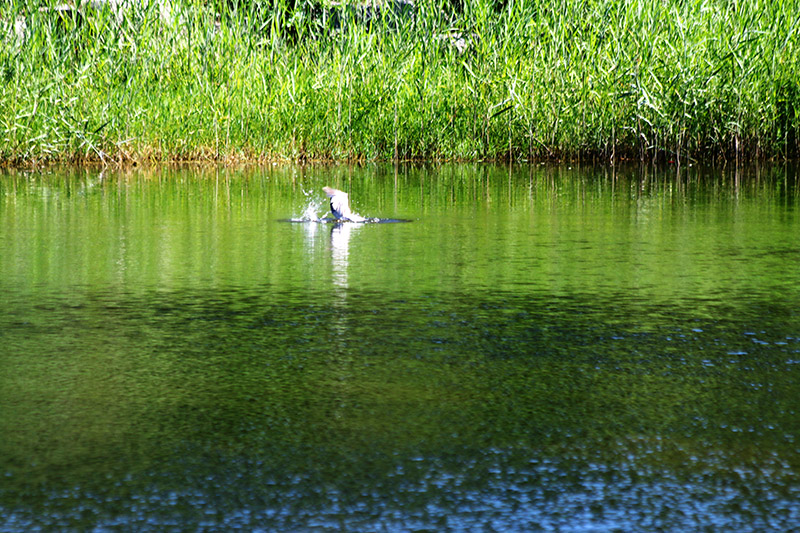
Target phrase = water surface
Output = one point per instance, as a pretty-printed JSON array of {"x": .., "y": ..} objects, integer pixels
[{"x": 539, "y": 348}]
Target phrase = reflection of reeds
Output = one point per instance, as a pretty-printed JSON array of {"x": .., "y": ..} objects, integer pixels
[{"x": 606, "y": 78}]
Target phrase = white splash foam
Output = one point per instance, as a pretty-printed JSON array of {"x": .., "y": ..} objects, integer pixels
[{"x": 311, "y": 208}]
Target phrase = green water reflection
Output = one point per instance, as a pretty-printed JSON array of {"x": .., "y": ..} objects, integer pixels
[{"x": 539, "y": 348}]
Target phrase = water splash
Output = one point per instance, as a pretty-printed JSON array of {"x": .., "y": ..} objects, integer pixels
[
  {"x": 314, "y": 205},
  {"x": 311, "y": 207}
]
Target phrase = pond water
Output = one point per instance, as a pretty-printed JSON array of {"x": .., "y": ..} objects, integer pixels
[{"x": 538, "y": 348}]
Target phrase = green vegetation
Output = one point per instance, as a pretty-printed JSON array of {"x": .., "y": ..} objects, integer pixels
[{"x": 266, "y": 80}]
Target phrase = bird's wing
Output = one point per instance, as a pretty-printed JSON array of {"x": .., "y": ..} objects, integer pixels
[
  {"x": 331, "y": 192},
  {"x": 340, "y": 204}
]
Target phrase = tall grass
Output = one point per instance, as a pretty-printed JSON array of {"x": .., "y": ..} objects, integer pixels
[{"x": 259, "y": 80}]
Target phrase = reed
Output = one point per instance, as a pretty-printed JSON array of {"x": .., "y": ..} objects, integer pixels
[{"x": 253, "y": 80}]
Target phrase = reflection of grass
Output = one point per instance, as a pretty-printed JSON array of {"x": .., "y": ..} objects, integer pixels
[
  {"x": 608, "y": 78},
  {"x": 189, "y": 317}
]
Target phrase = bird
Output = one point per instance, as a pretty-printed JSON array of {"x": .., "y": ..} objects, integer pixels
[{"x": 340, "y": 205}]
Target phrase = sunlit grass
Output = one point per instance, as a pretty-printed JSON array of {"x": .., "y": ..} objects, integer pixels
[{"x": 604, "y": 79}]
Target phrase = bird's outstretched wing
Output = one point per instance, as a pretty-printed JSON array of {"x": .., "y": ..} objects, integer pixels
[{"x": 340, "y": 203}]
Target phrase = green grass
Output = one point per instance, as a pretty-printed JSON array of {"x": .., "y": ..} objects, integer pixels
[{"x": 606, "y": 79}]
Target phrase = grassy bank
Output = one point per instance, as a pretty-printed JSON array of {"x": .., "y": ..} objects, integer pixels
[{"x": 258, "y": 80}]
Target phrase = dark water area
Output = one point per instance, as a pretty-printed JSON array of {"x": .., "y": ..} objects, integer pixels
[{"x": 537, "y": 349}]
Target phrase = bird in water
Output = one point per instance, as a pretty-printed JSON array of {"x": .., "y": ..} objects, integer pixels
[{"x": 340, "y": 205}]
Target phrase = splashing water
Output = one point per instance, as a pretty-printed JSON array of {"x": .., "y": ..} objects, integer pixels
[{"x": 312, "y": 206}]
